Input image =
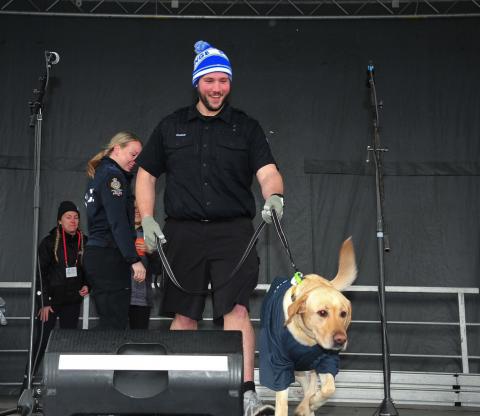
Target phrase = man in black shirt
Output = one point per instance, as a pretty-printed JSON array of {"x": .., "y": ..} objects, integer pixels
[{"x": 210, "y": 153}]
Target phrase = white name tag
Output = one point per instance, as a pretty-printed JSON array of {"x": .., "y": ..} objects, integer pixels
[{"x": 71, "y": 272}]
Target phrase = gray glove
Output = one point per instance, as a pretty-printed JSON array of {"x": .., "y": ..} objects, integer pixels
[
  {"x": 150, "y": 230},
  {"x": 275, "y": 202}
]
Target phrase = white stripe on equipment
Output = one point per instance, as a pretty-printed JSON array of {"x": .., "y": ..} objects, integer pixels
[{"x": 143, "y": 362}]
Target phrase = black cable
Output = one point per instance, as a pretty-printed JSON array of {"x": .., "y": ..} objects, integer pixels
[
  {"x": 12, "y": 411},
  {"x": 37, "y": 353}
]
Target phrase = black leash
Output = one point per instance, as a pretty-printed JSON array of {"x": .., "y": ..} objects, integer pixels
[
  {"x": 283, "y": 239},
  {"x": 174, "y": 280},
  {"x": 253, "y": 240}
]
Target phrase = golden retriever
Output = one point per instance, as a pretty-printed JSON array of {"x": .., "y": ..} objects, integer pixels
[{"x": 304, "y": 326}]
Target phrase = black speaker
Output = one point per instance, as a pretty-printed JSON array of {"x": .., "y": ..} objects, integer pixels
[{"x": 147, "y": 372}]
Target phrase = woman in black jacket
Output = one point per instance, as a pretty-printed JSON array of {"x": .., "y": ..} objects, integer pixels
[
  {"x": 111, "y": 259},
  {"x": 61, "y": 284}
]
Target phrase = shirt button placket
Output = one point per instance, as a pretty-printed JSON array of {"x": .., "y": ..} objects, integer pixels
[{"x": 205, "y": 161}]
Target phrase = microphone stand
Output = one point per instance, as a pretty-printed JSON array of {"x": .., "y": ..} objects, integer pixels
[
  {"x": 387, "y": 408},
  {"x": 27, "y": 401}
]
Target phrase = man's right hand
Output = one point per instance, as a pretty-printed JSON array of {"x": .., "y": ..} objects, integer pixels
[{"x": 151, "y": 230}]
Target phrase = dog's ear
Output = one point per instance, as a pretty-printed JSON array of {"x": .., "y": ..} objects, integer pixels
[
  {"x": 347, "y": 267},
  {"x": 349, "y": 315},
  {"x": 299, "y": 306}
]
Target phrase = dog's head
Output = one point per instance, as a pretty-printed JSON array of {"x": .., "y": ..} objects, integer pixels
[{"x": 319, "y": 310}]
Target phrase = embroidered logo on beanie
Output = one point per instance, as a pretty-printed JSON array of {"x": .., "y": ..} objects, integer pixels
[{"x": 207, "y": 60}]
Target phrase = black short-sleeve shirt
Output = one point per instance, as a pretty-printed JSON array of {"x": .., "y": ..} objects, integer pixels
[{"x": 209, "y": 162}]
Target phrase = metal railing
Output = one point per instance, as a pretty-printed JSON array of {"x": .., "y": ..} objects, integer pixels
[{"x": 459, "y": 292}]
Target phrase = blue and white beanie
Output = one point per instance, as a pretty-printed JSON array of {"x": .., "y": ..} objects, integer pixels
[{"x": 209, "y": 59}]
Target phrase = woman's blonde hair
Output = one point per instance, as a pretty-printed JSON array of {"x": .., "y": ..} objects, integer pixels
[{"x": 122, "y": 138}]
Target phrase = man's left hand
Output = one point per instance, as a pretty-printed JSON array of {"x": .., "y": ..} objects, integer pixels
[{"x": 273, "y": 202}]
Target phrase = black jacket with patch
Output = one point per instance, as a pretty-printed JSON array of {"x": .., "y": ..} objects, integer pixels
[{"x": 110, "y": 210}]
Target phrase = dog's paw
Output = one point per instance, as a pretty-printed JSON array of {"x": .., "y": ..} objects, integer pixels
[
  {"x": 327, "y": 388},
  {"x": 303, "y": 410},
  {"x": 316, "y": 404}
]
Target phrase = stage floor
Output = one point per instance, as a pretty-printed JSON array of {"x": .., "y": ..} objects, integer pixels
[{"x": 338, "y": 409}]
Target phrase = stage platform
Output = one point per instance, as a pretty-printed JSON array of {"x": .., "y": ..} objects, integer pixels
[{"x": 337, "y": 409}]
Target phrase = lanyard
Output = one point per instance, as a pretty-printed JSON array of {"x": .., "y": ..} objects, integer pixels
[{"x": 65, "y": 247}]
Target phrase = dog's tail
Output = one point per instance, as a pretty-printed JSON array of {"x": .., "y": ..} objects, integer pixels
[{"x": 347, "y": 266}]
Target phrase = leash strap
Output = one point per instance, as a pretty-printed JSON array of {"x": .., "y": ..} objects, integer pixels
[
  {"x": 174, "y": 280},
  {"x": 281, "y": 235},
  {"x": 283, "y": 239}
]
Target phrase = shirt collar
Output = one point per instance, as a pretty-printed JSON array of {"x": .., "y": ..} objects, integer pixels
[
  {"x": 108, "y": 159},
  {"x": 225, "y": 114}
]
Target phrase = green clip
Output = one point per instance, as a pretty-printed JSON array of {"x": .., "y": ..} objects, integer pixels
[{"x": 297, "y": 278}]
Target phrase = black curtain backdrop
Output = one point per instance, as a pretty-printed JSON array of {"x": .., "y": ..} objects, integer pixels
[{"x": 305, "y": 81}]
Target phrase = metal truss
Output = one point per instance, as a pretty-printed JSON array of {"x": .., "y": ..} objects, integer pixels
[{"x": 246, "y": 8}]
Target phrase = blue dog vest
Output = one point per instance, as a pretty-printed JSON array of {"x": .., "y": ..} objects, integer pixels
[{"x": 280, "y": 353}]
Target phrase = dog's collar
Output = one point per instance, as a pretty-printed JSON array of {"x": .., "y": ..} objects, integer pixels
[{"x": 297, "y": 279}]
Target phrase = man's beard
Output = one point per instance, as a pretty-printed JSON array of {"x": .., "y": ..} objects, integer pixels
[{"x": 204, "y": 99}]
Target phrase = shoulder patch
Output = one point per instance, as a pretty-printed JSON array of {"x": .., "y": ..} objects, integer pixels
[{"x": 116, "y": 187}]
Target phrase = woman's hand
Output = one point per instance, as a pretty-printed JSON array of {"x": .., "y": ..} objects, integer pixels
[
  {"x": 138, "y": 271},
  {"x": 44, "y": 312},
  {"x": 83, "y": 291}
]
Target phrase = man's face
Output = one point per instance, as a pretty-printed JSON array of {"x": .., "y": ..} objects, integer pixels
[{"x": 213, "y": 90}]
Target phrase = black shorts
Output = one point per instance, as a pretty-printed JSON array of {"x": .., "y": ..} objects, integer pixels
[{"x": 207, "y": 252}]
